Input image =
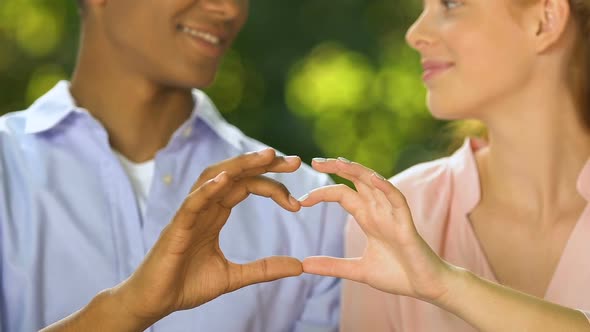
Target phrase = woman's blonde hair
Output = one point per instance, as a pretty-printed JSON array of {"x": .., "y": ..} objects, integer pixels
[{"x": 580, "y": 12}]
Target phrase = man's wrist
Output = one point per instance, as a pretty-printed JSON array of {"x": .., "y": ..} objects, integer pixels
[
  {"x": 124, "y": 301},
  {"x": 110, "y": 307},
  {"x": 106, "y": 312}
]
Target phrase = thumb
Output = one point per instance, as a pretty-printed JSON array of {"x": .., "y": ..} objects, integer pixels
[
  {"x": 347, "y": 268},
  {"x": 263, "y": 270}
]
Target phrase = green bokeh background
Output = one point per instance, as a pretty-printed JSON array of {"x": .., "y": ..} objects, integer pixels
[{"x": 309, "y": 77}]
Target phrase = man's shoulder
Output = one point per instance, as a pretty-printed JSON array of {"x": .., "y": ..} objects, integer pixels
[
  {"x": 48, "y": 110},
  {"x": 12, "y": 124},
  {"x": 12, "y": 134},
  {"x": 11, "y": 152}
]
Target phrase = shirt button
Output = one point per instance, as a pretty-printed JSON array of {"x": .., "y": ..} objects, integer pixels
[
  {"x": 167, "y": 180},
  {"x": 187, "y": 131}
]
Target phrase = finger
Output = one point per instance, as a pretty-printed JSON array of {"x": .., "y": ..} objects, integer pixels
[
  {"x": 358, "y": 174},
  {"x": 283, "y": 164},
  {"x": 286, "y": 164},
  {"x": 338, "y": 193},
  {"x": 329, "y": 166},
  {"x": 237, "y": 165},
  {"x": 261, "y": 186},
  {"x": 251, "y": 164},
  {"x": 396, "y": 200},
  {"x": 347, "y": 268},
  {"x": 201, "y": 199},
  {"x": 393, "y": 195},
  {"x": 263, "y": 270}
]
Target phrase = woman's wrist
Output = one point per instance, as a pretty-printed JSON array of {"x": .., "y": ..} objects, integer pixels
[{"x": 455, "y": 281}]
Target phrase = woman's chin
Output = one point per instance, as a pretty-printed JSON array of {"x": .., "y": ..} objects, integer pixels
[
  {"x": 445, "y": 113},
  {"x": 449, "y": 110}
]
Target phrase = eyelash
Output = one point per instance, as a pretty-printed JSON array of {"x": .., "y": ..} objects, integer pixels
[{"x": 450, "y": 4}]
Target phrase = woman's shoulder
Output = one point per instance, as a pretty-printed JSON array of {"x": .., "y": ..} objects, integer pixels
[
  {"x": 428, "y": 189},
  {"x": 434, "y": 180},
  {"x": 424, "y": 178}
]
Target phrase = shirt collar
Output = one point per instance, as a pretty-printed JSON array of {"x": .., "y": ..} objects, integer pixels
[
  {"x": 466, "y": 185},
  {"x": 583, "y": 184},
  {"x": 57, "y": 104},
  {"x": 49, "y": 110},
  {"x": 206, "y": 111}
]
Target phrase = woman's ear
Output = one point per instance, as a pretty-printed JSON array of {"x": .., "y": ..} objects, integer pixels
[
  {"x": 552, "y": 19},
  {"x": 88, "y": 6},
  {"x": 95, "y": 2}
]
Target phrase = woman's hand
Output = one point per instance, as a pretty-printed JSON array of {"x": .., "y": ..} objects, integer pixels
[{"x": 396, "y": 260}]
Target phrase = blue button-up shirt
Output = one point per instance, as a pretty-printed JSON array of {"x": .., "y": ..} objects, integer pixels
[{"x": 70, "y": 225}]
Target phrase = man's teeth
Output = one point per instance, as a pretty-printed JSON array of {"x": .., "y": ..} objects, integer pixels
[{"x": 203, "y": 35}]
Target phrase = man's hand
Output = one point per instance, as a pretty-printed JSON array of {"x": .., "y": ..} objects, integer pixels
[{"x": 186, "y": 266}]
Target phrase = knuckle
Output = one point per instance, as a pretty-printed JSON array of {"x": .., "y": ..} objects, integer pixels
[
  {"x": 282, "y": 187},
  {"x": 245, "y": 157},
  {"x": 208, "y": 172},
  {"x": 401, "y": 197},
  {"x": 264, "y": 267}
]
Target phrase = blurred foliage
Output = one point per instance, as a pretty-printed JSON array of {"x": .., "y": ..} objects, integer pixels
[{"x": 309, "y": 77}]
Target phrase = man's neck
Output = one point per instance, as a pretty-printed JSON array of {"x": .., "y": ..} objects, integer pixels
[{"x": 139, "y": 115}]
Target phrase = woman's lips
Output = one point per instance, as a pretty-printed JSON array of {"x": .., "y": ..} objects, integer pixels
[{"x": 434, "y": 68}]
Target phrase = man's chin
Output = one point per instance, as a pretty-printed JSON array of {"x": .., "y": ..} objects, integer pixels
[{"x": 189, "y": 83}]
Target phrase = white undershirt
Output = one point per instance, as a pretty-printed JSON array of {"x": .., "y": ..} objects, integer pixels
[{"x": 140, "y": 175}]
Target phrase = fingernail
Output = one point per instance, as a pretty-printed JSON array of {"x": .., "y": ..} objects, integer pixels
[
  {"x": 293, "y": 200},
  {"x": 259, "y": 151},
  {"x": 304, "y": 197},
  {"x": 379, "y": 176},
  {"x": 291, "y": 158},
  {"x": 344, "y": 160},
  {"x": 319, "y": 160},
  {"x": 218, "y": 177}
]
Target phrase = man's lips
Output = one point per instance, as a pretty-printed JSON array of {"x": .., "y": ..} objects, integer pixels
[
  {"x": 208, "y": 41},
  {"x": 209, "y": 35},
  {"x": 433, "y": 68}
]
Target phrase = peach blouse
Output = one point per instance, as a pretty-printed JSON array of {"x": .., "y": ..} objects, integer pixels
[{"x": 441, "y": 194}]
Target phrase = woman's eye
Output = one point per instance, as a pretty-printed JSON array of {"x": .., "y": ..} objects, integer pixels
[{"x": 451, "y": 4}]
